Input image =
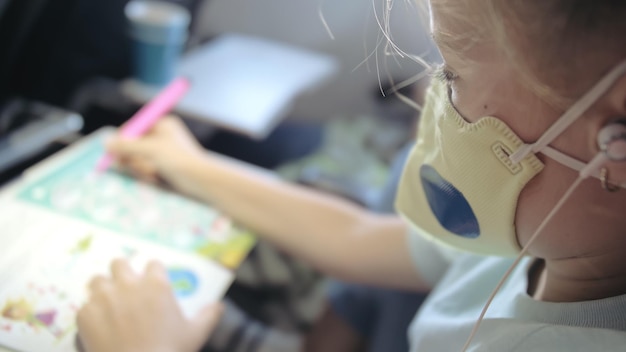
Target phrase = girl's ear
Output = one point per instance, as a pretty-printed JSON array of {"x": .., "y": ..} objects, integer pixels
[
  {"x": 612, "y": 140},
  {"x": 612, "y": 155},
  {"x": 611, "y": 135}
]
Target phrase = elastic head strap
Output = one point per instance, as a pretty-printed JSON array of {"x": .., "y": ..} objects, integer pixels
[{"x": 573, "y": 113}]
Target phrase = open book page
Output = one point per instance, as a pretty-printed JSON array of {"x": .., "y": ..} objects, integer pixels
[{"x": 62, "y": 224}]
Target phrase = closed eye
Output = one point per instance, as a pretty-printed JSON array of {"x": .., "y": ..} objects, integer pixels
[{"x": 444, "y": 74}]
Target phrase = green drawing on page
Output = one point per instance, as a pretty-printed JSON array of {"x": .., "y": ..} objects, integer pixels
[{"x": 82, "y": 246}]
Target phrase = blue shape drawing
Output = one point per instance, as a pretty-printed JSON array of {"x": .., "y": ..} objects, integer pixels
[{"x": 184, "y": 281}]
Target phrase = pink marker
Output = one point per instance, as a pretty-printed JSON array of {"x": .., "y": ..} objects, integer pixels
[{"x": 149, "y": 114}]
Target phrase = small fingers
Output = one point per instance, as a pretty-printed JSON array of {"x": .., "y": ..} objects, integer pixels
[
  {"x": 89, "y": 319},
  {"x": 139, "y": 168},
  {"x": 124, "y": 147},
  {"x": 143, "y": 169},
  {"x": 100, "y": 283},
  {"x": 122, "y": 272},
  {"x": 156, "y": 270}
]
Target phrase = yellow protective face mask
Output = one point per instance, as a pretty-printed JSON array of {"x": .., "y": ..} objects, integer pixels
[
  {"x": 462, "y": 180},
  {"x": 459, "y": 186}
]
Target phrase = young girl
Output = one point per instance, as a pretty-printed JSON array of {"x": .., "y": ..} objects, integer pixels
[{"x": 521, "y": 152}]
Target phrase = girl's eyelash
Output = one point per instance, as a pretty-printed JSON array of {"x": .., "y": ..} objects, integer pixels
[{"x": 443, "y": 74}]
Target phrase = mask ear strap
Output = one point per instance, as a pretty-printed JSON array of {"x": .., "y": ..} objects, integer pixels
[
  {"x": 565, "y": 160},
  {"x": 573, "y": 113},
  {"x": 594, "y": 168}
]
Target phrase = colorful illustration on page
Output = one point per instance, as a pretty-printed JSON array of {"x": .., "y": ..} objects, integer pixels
[{"x": 37, "y": 315}]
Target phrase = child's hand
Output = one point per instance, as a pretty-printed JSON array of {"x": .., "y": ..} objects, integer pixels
[
  {"x": 132, "y": 312},
  {"x": 163, "y": 151}
]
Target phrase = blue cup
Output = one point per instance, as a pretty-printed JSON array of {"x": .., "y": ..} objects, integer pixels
[{"x": 158, "y": 31}]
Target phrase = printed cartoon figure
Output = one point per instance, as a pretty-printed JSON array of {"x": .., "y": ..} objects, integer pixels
[{"x": 21, "y": 310}]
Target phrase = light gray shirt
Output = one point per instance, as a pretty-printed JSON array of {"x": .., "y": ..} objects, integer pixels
[{"x": 515, "y": 321}]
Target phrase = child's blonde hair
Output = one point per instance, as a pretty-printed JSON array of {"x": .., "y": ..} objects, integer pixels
[{"x": 559, "y": 46}]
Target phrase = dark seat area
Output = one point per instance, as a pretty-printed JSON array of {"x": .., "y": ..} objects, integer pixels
[{"x": 49, "y": 47}]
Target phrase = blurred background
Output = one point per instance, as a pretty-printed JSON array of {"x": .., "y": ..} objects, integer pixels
[
  {"x": 64, "y": 66},
  {"x": 71, "y": 56},
  {"x": 50, "y": 47}
]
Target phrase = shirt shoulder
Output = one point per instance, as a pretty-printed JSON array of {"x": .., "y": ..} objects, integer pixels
[
  {"x": 516, "y": 336},
  {"x": 430, "y": 259},
  {"x": 514, "y": 321}
]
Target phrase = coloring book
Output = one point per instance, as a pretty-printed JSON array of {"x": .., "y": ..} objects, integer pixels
[{"x": 62, "y": 223}]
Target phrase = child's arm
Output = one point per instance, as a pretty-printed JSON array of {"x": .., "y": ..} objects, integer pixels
[{"x": 337, "y": 237}]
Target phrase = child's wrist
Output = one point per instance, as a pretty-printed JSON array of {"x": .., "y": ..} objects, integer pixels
[{"x": 193, "y": 174}]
